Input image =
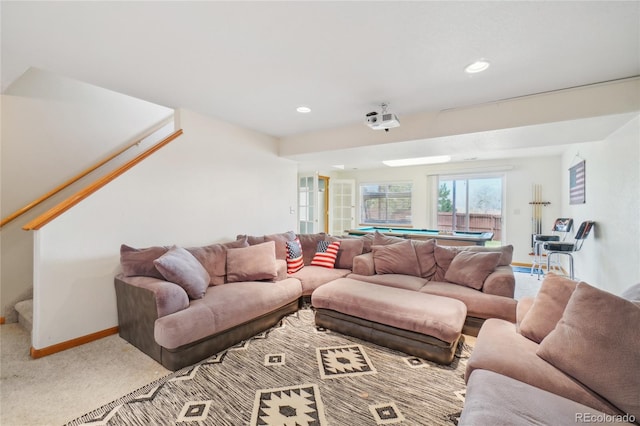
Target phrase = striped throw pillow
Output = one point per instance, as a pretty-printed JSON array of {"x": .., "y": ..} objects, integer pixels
[
  {"x": 326, "y": 254},
  {"x": 295, "y": 262}
]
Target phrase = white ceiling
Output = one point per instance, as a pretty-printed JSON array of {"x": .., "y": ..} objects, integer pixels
[{"x": 253, "y": 63}]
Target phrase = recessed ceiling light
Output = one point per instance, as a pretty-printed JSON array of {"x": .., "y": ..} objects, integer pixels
[
  {"x": 478, "y": 66},
  {"x": 303, "y": 109},
  {"x": 418, "y": 161},
  {"x": 339, "y": 166}
]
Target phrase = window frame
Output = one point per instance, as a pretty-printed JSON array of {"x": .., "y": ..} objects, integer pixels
[
  {"x": 468, "y": 177},
  {"x": 386, "y": 222}
]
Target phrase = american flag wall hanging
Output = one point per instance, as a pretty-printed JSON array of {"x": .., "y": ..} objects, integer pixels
[{"x": 576, "y": 184}]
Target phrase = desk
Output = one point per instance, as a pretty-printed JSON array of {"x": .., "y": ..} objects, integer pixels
[{"x": 444, "y": 238}]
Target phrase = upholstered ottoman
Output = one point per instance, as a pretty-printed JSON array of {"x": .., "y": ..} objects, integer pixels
[{"x": 424, "y": 325}]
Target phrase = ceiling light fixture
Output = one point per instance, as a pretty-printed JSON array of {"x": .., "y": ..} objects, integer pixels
[
  {"x": 303, "y": 109},
  {"x": 418, "y": 161},
  {"x": 478, "y": 66}
]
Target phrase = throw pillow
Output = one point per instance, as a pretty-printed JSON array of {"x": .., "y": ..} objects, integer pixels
[
  {"x": 426, "y": 257},
  {"x": 295, "y": 261},
  {"x": 507, "y": 252},
  {"x": 383, "y": 240},
  {"x": 214, "y": 258},
  {"x": 253, "y": 263},
  {"x": 367, "y": 240},
  {"x": 139, "y": 262},
  {"x": 470, "y": 269},
  {"x": 548, "y": 307},
  {"x": 281, "y": 242},
  {"x": 398, "y": 258},
  {"x": 596, "y": 342},
  {"x": 179, "y": 266},
  {"x": 283, "y": 237},
  {"x": 326, "y": 254},
  {"x": 444, "y": 256},
  {"x": 349, "y": 248}
]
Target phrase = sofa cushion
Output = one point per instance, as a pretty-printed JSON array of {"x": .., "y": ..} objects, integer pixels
[
  {"x": 179, "y": 266},
  {"x": 326, "y": 254},
  {"x": 426, "y": 257},
  {"x": 281, "y": 242},
  {"x": 596, "y": 342},
  {"x": 443, "y": 256},
  {"x": 499, "y": 348},
  {"x": 214, "y": 258},
  {"x": 367, "y": 241},
  {"x": 280, "y": 239},
  {"x": 479, "y": 304},
  {"x": 506, "y": 252},
  {"x": 312, "y": 277},
  {"x": 384, "y": 240},
  {"x": 548, "y": 307},
  {"x": 309, "y": 243},
  {"x": 222, "y": 308},
  {"x": 398, "y": 258},
  {"x": 253, "y": 263},
  {"x": 501, "y": 282},
  {"x": 524, "y": 305},
  {"x": 494, "y": 399},
  {"x": 139, "y": 262},
  {"x": 471, "y": 269},
  {"x": 295, "y": 261},
  {"x": 349, "y": 248},
  {"x": 407, "y": 282}
]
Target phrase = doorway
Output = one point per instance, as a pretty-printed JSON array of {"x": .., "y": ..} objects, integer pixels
[{"x": 313, "y": 204}]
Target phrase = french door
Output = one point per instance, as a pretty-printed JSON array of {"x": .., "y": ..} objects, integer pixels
[{"x": 342, "y": 212}]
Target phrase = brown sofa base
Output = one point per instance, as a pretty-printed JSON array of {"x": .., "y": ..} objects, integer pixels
[
  {"x": 472, "y": 325},
  {"x": 409, "y": 342}
]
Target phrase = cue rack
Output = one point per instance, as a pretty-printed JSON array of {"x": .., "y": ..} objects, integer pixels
[{"x": 537, "y": 205}]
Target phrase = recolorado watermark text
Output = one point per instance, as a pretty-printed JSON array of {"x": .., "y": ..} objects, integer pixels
[{"x": 604, "y": 418}]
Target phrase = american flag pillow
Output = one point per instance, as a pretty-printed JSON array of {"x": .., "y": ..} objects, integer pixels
[
  {"x": 326, "y": 254},
  {"x": 295, "y": 262}
]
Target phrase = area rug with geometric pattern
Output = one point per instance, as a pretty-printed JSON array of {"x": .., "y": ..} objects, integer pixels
[{"x": 298, "y": 374}]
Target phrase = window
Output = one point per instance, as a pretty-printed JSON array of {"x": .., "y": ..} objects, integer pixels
[
  {"x": 387, "y": 203},
  {"x": 476, "y": 201}
]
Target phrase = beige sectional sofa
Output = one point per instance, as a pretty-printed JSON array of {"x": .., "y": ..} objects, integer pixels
[
  {"x": 182, "y": 305},
  {"x": 573, "y": 356},
  {"x": 164, "y": 317},
  {"x": 481, "y": 277}
]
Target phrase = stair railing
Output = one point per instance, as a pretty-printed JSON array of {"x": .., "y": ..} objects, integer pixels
[
  {"x": 65, "y": 205},
  {"x": 77, "y": 177}
]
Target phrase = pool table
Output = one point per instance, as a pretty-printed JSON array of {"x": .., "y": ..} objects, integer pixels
[{"x": 445, "y": 238}]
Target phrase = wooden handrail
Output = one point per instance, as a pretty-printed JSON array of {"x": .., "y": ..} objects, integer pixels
[
  {"x": 74, "y": 179},
  {"x": 65, "y": 205}
]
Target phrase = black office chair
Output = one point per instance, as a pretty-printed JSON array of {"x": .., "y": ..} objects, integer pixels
[
  {"x": 556, "y": 248},
  {"x": 561, "y": 227}
]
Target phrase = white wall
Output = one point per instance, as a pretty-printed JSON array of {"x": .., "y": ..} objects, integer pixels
[
  {"x": 214, "y": 182},
  {"x": 610, "y": 257},
  {"x": 520, "y": 175},
  {"x": 52, "y": 129}
]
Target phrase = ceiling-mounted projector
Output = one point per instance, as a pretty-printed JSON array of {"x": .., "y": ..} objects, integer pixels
[{"x": 383, "y": 120}]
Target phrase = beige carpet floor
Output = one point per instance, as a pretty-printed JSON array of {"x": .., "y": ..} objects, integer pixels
[
  {"x": 59, "y": 388},
  {"x": 62, "y": 387}
]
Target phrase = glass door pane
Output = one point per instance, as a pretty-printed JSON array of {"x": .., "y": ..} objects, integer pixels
[
  {"x": 307, "y": 203},
  {"x": 472, "y": 204}
]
